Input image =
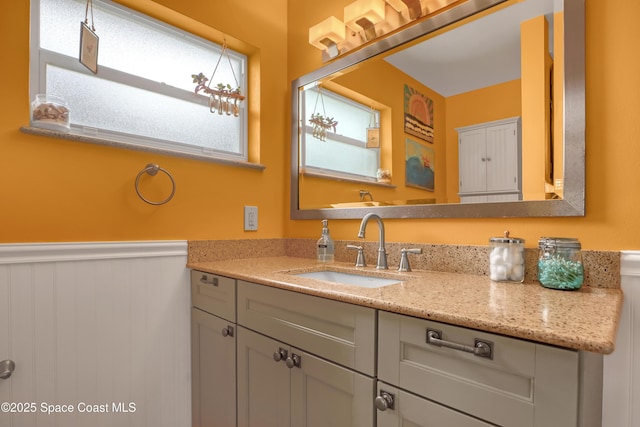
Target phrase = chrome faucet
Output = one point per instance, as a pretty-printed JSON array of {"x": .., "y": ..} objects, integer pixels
[
  {"x": 382, "y": 252},
  {"x": 365, "y": 193}
]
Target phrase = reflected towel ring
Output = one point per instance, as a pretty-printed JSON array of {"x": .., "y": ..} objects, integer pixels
[{"x": 152, "y": 169}]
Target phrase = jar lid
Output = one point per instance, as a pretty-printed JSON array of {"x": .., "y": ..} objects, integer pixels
[
  {"x": 559, "y": 242},
  {"x": 506, "y": 239}
]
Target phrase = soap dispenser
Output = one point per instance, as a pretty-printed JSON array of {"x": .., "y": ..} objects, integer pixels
[{"x": 325, "y": 244}]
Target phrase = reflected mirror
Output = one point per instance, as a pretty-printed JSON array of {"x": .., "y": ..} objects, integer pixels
[{"x": 477, "y": 111}]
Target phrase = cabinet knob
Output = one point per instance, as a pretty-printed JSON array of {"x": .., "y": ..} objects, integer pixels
[
  {"x": 385, "y": 401},
  {"x": 293, "y": 361},
  {"x": 280, "y": 354},
  {"x": 228, "y": 331},
  {"x": 6, "y": 369}
]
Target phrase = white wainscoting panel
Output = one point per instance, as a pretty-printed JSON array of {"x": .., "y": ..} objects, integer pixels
[
  {"x": 96, "y": 326},
  {"x": 621, "y": 382}
]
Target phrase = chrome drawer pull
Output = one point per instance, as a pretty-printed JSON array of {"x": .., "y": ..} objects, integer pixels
[
  {"x": 213, "y": 281},
  {"x": 481, "y": 348}
]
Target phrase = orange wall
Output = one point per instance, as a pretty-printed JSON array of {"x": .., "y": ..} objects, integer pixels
[
  {"x": 52, "y": 190},
  {"x": 536, "y": 66},
  {"x": 613, "y": 154},
  {"x": 58, "y": 190}
]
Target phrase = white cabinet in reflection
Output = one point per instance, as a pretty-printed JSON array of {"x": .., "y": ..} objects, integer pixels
[{"x": 490, "y": 161}]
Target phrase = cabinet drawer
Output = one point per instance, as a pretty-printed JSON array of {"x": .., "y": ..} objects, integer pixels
[
  {"x": 532, "y": 384},
  {"x": 214, "y": 294},
  {"x": 341, "y": 332},
  {"x": 411, "y": 410}
]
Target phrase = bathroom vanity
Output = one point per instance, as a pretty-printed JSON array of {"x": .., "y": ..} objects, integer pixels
[{"x": 282, "y": 349}]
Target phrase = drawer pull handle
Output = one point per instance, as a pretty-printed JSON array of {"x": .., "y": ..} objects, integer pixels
[
  {"x": 213, "y": 281},
  {"x": 481, "y": 348}
]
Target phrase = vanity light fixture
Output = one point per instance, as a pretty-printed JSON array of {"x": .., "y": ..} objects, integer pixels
[
  {"x": 327, "y": 34},
  {"x": 366, "y": 20},
  {"x": 430, "y": 6},
  {"x": 414, "y": 7},
  {"x": 363, "y": 15}
]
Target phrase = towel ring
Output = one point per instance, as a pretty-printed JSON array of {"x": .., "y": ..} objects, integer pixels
[{"x": 152, "y": 169}]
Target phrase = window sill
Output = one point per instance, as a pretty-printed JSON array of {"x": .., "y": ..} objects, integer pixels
[
  {"x": 71, "y": 136},
  {"x": 336, "y": 177}
]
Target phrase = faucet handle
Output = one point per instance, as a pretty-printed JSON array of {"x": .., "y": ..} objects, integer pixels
[
  {"x": 360, "y": 257},
  {"x": 404, "y": 258}
]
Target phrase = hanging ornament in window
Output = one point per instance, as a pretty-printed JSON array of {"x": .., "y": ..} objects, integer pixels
[
  {"x": 89, "y": 41},
  {"x": 223, "y": 98},
  {"x": 373, "y": 131},
  {"x": 320, "y": 122}
]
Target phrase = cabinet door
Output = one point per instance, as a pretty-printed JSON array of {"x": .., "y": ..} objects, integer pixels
[
  {"x": 213, "y": 361},
  {"x": 412, "y": 411},
  {"x": 472, "y": 161},
  {"x": 263, "y": 383},
  {"x": 324, "y": 394},
  {"x": 502, "y": 158}
]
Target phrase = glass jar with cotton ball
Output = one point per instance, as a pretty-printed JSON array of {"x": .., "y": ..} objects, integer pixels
[{"x": 506, "y": 259}]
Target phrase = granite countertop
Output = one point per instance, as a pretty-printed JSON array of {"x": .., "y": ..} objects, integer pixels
[{"x": 586, "y": 319}]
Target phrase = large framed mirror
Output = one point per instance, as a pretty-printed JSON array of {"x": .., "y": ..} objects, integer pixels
[{"x": 541, "y": 95}]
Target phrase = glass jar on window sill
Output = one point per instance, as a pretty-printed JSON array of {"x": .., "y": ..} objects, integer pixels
[
  {"x": 50, "y": 112},
  {"x": 384, "y": 175}
]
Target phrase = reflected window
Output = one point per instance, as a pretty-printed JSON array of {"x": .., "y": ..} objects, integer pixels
[
  {"x": 143, "y": 92},
  {"x": 343, "y": 152}
]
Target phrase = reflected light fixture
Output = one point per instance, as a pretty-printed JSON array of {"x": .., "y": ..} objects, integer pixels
[
  {"x": 414, "y": 7},
  {"x": 363, "y": 15},
  {"x": 367, "y": 19},
  {"x": 400, "y": 7},
  {"x": 327, "y": 34},
  {"x": 431, "y": 6}
]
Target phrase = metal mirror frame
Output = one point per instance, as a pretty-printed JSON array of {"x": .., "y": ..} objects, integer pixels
[{"x": 573, "y": 202}]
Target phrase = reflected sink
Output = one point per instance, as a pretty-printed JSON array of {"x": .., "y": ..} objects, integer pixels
[
  {"x": 349, "y": 278},
  {"x": 358, "y": 204}
]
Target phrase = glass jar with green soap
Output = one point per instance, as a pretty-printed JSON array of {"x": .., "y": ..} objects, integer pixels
[{"x": 560, "y": 263}]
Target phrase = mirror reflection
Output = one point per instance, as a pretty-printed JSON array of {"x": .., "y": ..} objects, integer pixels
[{"x": 468, "y": 114}]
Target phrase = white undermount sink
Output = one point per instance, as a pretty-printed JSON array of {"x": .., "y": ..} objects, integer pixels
[{"x": 349, "y": 278}]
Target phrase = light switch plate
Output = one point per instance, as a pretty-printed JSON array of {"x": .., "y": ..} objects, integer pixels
[{"x": 250, "y": 218}]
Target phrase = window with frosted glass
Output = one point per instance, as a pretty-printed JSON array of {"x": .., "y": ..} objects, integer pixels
[
  {"x": 344, "y": 152},
  {"x": 143, "y": 92}
]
